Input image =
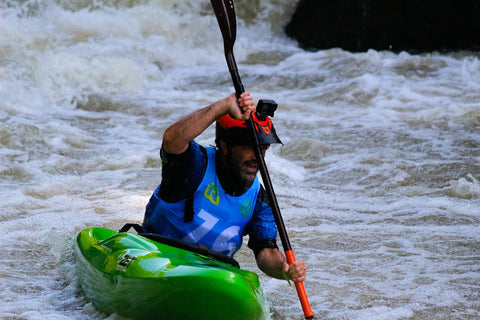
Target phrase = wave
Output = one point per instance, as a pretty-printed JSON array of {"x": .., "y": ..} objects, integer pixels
[{"x": 58, "y": 53}]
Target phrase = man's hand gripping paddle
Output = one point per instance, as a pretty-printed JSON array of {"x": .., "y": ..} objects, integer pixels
[{"x": 225, "y": 13}]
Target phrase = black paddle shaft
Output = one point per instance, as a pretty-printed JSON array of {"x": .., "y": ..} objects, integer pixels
[{"x": 225, "y": 13}]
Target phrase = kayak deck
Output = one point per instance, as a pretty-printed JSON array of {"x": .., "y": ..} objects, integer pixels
[{"x": 139, "y": 278}]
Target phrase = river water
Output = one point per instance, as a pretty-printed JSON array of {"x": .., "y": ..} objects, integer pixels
[{"x": 377, "y": 180}]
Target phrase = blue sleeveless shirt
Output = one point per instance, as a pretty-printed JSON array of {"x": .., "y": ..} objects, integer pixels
[{"x": 219, "y": 218}]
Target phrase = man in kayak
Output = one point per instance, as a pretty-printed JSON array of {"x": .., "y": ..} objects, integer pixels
[{"x": 212, "y": 196}]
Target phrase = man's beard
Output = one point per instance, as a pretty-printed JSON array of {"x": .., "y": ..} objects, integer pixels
[
  {"x": 243, "y": 172},
  {"x": 240, "y": 174},
  {"x": 248, "y": 171}
]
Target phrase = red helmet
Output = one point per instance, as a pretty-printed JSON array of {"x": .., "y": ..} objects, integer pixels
[{"x": 235, "y": 132}]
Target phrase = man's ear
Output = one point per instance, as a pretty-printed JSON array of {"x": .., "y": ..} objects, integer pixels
[{"x": 223, "y": 146}]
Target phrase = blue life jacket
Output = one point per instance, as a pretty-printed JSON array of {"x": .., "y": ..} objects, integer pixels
[{"x": 218, "y": 220}]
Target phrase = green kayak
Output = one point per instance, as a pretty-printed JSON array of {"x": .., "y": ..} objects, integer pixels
[{"x": 145, "y": 276}]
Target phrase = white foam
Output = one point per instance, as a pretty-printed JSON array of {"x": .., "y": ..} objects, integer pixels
[
  {"x": 466, "y": 187},
  {"x": 377, "y": 179}
]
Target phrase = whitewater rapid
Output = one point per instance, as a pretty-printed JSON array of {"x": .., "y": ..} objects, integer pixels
[{"x": 377, "y": 180}]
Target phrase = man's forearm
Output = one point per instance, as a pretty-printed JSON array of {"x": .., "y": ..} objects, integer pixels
[
  {"x": 178, "y": 135},
  {"x": 270, "y": 261}
]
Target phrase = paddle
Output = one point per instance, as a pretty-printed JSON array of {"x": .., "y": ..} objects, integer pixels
[{"x": 225, "y": 13}]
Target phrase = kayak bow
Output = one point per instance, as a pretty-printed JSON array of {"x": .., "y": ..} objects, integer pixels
[{"x": 136, "y": 277}]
